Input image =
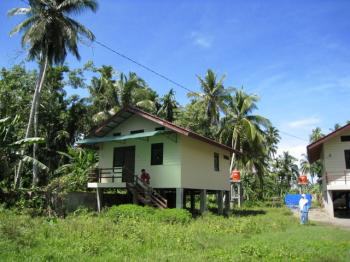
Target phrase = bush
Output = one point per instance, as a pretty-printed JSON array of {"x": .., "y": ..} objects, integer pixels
[
  {"x": 173, "y": 216},
  {"x": 130, "y": 211}
]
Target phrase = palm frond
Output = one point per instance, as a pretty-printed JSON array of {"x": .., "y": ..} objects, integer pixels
[
  {"x": 19, "y": 11},
  {"x": 77, "y": 6},
  {"x": 35, "y": 162}
]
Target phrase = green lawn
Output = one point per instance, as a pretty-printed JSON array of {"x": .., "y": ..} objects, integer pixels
[{"x": 146, "y": 235}]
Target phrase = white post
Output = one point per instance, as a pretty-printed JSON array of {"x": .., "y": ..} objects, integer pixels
[
  {"x": 99, "y": 192},
  {"x": 179, "y": 197}
]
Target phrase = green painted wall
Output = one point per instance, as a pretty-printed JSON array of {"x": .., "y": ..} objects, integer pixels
[{"x": 167, "y": 175}]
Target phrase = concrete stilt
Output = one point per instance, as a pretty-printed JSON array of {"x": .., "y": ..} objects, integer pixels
[
  {"x": 99, "y": 195},
  {"x": 203, "y": 200},
  {"x": 184, "y": 199},
  {"x": 179, "y": 197},
  {"x": 219, "y": 196},
  {"x": 227, "y": 202},
  {"x": 193, "y": 201}
]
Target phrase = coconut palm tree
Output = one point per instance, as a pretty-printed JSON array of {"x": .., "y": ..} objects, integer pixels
[
  {"x": 316, "y": 134},
  {"x": 133, "y": 90},
  {"x": 213, "y": 95},
  {"x": 287, "y": 169},
  {"x": 50, "y": 34},
  {"x": 272, "y": 139},
  {"x": 240, "y": 125},
  {"x": 168, "y": 106}
]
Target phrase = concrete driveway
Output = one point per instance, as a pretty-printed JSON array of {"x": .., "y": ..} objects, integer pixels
[{"x": 319, "y": 215}]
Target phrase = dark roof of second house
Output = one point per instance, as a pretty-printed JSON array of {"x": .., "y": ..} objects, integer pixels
[
  {"x": 314, "y": 150},
  {"x": 129, "y": 111}
]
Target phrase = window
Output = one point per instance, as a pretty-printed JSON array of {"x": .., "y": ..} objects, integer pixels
[
  {"x": 216, "y": 162},
  {"x": 157, "y": 154},
  {"x": 137, "y": 131},
  {"x": 345, "y": 138},
  {"x": 347, "y": 158},
  {"x": 159, "y": 128},
  {"x": 117, "y": 134},
  {"x": 226, "y": 157}
]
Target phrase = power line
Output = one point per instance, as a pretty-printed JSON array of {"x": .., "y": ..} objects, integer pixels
[
  {"x": 293, "y": 136},
  {"x": 165, "y": 77},
  {"x": 143, "y": 66}
]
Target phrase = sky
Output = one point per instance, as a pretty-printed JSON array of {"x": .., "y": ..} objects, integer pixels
[{"x": 294, "y": 54}]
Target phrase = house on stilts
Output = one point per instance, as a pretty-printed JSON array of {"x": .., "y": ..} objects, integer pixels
[
  {"x": 333, "y": 151},
  {"x": 180, "y": 162}
]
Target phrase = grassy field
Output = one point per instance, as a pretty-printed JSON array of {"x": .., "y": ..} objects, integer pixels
[{"x": 141, "y": 234}]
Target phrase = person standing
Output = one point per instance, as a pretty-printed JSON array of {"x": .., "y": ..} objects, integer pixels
[
  {"x": 303, "y": 209},
  {"x": 145, "y": 177}
]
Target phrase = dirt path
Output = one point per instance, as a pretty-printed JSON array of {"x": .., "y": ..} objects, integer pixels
[{"x": 319, "y": 215}]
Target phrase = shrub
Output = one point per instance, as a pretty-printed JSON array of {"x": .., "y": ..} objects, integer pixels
[
  {"x": 173, "y": 216},
  {"x": 130, "y": 211}
]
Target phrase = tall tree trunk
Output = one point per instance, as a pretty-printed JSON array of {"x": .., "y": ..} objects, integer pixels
[
  {"x": 233, "y": 154},
  {"x": 35, "y": 124},
  {"x": 39, "y": 83}
]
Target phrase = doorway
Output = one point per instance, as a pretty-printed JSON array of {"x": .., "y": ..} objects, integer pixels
[
  {"x": 125, "y": 157},
  {"x": 341, "y": 204}
]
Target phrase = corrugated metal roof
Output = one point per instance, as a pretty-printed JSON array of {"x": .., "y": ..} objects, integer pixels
[
  {"x": 128, "y": 111},
  {"x": 96, "y": 140}
]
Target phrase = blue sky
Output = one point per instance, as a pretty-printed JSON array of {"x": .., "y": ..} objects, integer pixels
[{"x": 294, "y": 54}]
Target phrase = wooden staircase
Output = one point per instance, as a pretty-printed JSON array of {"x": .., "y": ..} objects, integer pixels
[{"x": 144, "y": 193}]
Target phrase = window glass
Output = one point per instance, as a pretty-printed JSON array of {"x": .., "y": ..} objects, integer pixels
[
  {"x": 157, "y": 154},
  {"x": 216, "y": 162},
  {"x": 347, "y": 158},
  {"x": 345, "y": 138},
  {"x": 137, "y": 131}
]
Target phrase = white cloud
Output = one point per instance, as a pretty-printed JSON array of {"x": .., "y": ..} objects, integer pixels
[
  {"x": 305, "y": 122},
  {"x": 295, "y": 150},
  {"x": 201, "y": 40}
]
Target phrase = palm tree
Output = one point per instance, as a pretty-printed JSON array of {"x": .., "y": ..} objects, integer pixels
[
  {"x": 127, "y": 85},
  {"x": 287, "y": 169},
  {"x": 49, "y": 33},
  {"x": 272, "y": 139},
  {"x": 316, "y": 134},
  {"x": 239, "y": 124},
  {"x": 213, "y": 96},
  {"x": 133, "y": 90},
  {"x": 104, "y": 93},
  {"x": 168, "y": 106}
]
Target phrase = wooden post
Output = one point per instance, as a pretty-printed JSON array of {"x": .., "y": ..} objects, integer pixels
[
  {"x": 99, "y": 194},
  {"x": 179, "y": 197},
  {"x": 219, "y": 196},
  {"x": 203, "y": 201},
  {"x": 193, "y": 201}
]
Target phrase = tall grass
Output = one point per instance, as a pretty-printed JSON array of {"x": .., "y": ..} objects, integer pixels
[{"x": 129, "y": 233}]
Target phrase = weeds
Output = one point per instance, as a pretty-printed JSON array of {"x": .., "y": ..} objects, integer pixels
[{"x": 133, "y": 233}]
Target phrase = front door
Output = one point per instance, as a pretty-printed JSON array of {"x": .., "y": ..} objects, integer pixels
[{"x": 125, "y": 157}]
